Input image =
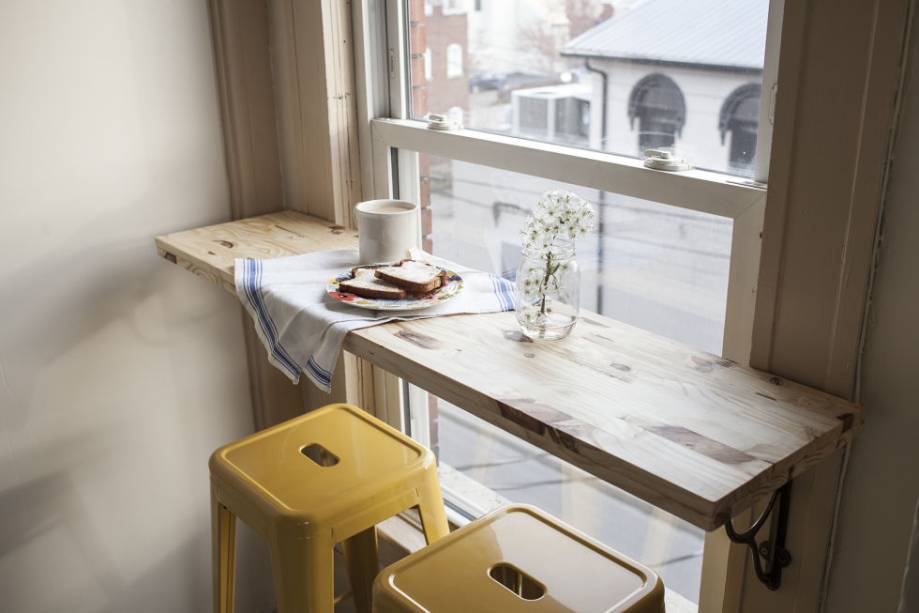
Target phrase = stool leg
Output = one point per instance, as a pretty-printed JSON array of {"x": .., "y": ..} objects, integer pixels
[
  {"x": 223, "y": 549},
  {"x": 304, "y": 574},
  {"x": 433, "y": 517},
  {"x": 363, "y": 565}
]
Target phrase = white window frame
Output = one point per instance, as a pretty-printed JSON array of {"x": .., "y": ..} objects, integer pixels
[{"x": 391, "y": 141}]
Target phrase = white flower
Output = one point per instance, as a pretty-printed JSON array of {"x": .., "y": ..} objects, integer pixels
[{"x": 558, "y": 215}]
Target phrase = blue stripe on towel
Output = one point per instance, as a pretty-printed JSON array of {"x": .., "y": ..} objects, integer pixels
[
  {"x": 318, "y": 373},
  {"x": 251, "y": 274},
  {"x": 503, "y": 290}
]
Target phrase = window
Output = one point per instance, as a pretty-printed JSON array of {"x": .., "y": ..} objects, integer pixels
[
  {"x": 737, "y": 122},
  {"x": 657, "y": 105},
  {"x": 563, "y": 95},
  {"x": 428, "y": 73},
  {"x": 454, "y": 7},
  {"x": 454, "y": 61}
]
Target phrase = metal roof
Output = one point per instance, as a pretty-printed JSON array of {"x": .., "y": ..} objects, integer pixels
[{"x": 726, "y": 34}]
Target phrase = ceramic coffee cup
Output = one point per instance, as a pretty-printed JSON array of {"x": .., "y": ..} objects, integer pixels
[{"x": 386, "y": 230}]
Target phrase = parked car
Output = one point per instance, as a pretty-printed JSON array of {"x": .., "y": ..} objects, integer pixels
[{"x": 505, "y": 83}]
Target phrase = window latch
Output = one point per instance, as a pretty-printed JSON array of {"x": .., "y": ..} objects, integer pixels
[
  {"x": 442, "y": 122},
  {"x": 663, "y": 159}
]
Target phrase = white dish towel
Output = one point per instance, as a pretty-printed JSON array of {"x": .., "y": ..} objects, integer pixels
[{"x": 303, "y": 328}]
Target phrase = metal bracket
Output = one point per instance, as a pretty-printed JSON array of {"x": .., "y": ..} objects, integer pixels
[{"x": 770, "y": 556}]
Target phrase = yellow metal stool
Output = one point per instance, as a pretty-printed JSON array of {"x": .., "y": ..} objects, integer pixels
[
  {"x": 517, "y": 558},
  {"x": 325, "y": 477}
]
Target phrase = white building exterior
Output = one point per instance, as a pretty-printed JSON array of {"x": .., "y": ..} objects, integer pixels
[
  {"x": 685, "y": 75},
  {"x": 705, "y": 93}
]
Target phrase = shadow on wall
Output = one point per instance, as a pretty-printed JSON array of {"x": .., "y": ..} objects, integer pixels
[
  {"x": 46, "y": 512},
  {"x": 69, "y": 294},
  {"x": 115, "y": 385}
]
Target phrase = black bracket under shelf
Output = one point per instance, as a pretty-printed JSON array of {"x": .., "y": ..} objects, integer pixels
[{"x": 770, "y": 556}]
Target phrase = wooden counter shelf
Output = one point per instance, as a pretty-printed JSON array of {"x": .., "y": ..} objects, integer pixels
[{"x": 687, "y": 431}]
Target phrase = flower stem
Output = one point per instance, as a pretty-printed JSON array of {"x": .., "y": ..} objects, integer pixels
[{"x": 545, "y": 284}]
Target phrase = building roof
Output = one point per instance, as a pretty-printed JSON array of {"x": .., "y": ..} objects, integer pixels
[{"x": 725, "y": 34}]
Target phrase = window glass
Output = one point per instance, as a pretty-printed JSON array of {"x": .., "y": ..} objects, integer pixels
[
  {"x": 658, "y": 267},
  {"x": 621, "y": 76}
]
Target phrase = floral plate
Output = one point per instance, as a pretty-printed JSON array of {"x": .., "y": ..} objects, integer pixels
[{"x": 452, "y": 285}]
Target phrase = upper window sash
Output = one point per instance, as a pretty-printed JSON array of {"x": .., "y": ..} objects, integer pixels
[
  {"x": 393, "y": 86},
  {"x": 700, "y": 190}
]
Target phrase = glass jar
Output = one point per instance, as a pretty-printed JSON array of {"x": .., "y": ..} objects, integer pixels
[{"x": 548, "y": 291}]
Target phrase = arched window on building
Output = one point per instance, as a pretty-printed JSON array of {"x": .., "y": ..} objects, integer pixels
[
  {"x": 739, "y": 116},
  {"x": 454, "y": 61},
  {"x": 657, "y": 103}
]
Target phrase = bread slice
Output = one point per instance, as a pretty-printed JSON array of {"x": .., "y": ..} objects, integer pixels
[
  {"x": 366, "y": 284},
  {"x": 413, "y": 276}
]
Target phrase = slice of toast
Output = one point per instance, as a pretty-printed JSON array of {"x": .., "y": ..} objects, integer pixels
[
  {"x": 366, "y": 284},
  {"x": 413, "y": 276}
]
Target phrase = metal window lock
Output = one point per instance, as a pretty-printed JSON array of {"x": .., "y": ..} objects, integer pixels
[{"x": 662, "y": 159}]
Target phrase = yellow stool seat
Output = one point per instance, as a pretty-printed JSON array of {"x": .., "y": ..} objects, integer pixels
[
  {"x": 325, "y": 477},
  {"x": 517, "y": 558}
]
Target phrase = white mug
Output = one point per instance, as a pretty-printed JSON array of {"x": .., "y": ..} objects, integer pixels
[{"x": 386, "y": 230}]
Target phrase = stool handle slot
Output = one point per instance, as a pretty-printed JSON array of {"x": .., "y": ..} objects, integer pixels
[
  {"x": 518, "y": 582},
  {"x": 319, "y": 455}
]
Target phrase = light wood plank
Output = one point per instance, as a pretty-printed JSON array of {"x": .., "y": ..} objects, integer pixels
[
  {"x": 687, "y": 431},
  {"x": 693, "y": 434},
  {"x": 209, "y": 252}
]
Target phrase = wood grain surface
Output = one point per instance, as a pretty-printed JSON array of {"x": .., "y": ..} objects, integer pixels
[
  {"x": 209, "y": 252},
  {"x": 687, "y": 431}
]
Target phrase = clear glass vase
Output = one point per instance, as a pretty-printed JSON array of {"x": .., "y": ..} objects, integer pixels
[{"x": 548, "y": 291}]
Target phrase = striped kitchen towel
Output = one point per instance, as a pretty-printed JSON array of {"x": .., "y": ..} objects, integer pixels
[{"x": 303, "y": 329}]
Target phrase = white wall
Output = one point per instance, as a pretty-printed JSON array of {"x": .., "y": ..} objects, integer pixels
[
  {"x": 119, "y": 373},
  {"x": 882, "y": 486}
]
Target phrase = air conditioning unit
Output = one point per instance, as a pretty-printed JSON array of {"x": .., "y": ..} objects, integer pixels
[{"x": 555, "y": 113}]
